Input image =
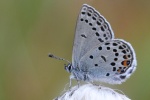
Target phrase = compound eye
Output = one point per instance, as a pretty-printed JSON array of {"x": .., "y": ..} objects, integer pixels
[{"x": 68, "y": 68}]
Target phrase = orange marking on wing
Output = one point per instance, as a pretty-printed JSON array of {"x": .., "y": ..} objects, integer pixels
[{"x": 125, "y": 63}]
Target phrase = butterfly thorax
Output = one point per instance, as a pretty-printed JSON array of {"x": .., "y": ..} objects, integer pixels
[{"x": 76, "y": 73}]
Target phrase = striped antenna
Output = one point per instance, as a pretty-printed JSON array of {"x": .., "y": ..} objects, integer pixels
[{"x": 58, "y": 58}]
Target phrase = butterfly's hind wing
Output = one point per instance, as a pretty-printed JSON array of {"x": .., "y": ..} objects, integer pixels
[
  {"x": 112, "y": 62},
  {"x": 91, "y": 29}
]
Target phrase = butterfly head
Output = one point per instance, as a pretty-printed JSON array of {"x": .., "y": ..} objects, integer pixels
[{"x": 68, "y": 68}]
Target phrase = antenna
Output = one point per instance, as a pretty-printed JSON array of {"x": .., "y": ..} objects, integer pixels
[{"x": 58, "y": 58}]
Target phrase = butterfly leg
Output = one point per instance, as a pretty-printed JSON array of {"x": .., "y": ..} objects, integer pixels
[
  {"x": 70, "y": 83},
  {"x": 72, "y": 76},
  {"x": 78, "y": 83}
]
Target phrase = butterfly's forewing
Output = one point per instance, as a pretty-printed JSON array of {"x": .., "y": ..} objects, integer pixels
[
  {"x": 91, "y": 30},
  {"x": 112, "y": 62}
]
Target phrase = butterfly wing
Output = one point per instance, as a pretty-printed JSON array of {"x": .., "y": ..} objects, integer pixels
[
  {"x": 92, "y": 29},
  {"x": 112, "y": 62}
]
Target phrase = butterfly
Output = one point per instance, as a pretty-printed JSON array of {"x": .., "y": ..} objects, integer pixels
[{"x": 97, "y": 55}]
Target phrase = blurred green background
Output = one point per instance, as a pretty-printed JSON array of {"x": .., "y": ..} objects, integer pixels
[{"x": 30, "y": 29}]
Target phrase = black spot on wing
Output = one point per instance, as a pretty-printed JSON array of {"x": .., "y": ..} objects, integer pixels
[
  {"x": 84, "y": 36},
  {"x": 103, "y": 58}
]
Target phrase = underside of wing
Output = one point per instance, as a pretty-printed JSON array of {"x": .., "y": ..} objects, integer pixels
[
  {"x": 112, "y": 62},
  {"x": 92, "y": 29}
]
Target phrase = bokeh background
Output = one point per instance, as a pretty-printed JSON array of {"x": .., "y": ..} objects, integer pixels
[{"x": 30, "y": 29}]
